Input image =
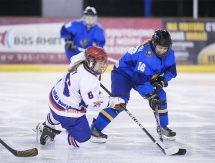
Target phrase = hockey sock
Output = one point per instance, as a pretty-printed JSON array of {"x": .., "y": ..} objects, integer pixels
[
  {"x": 105, "y": 117},
  {"x": 50, "y": 121},
  {"x": 163, "y": 120}
]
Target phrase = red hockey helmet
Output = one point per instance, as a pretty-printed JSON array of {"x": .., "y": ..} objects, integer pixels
[{"x": 96, "y": 55}]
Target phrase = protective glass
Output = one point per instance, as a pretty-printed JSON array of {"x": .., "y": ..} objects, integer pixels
[
  {"x": 100, "y": 66},
  {"x": 89, "y": 20}
]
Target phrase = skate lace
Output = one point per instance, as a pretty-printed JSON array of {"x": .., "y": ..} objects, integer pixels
[
  {"x": 50, "y": 132},
  {"x": 167, "y": 129},
  {"x": 101, "y": 134}
]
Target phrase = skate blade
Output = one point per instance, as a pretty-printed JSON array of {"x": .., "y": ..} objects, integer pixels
[
  {"x": 169, "y": 138},
  {"x": 35, "y": 129},
  {"x": 97, "y": 140},
  {"x": 38, "y": 131}
]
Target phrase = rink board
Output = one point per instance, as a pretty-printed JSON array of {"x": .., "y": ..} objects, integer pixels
[{"x": 63, "y": 67}]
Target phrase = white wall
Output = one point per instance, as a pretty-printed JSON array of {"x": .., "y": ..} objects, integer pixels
[{"x": 62, "y": 8}]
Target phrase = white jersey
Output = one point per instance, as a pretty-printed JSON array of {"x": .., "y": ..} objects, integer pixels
[
  {"x": 76, "y": 92},
  {"x": 75, "y": 58}
]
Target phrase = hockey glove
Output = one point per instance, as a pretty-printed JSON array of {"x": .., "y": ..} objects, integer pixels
[
  {"x": 159, "y": 83},
  {"x": 116, "y": 102},
  {"x": 154, "y": 100},
  {"x": 69, "y": 44}
]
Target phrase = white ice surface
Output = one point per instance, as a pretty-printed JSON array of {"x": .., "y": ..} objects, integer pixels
[{"x": 191, "y": 105}]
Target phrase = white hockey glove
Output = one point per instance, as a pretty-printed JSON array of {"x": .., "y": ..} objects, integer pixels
[{"x": 116, "y": 102}]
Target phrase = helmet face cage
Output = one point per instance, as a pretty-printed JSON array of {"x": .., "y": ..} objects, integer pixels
[
  {"x": 89, "y": 21},
  {"x": 91, "y": 63},
  {"x": 162, "y": 38}
]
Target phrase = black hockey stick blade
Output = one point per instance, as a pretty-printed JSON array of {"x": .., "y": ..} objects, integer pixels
[
  {"x": 26, "y": 153},
  {"x": 171, "y": 151},
  {"x": 181, "y": 152}
]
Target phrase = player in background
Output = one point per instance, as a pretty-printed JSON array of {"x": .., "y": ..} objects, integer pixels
[
  {"x": 80, "y": 34},
  {"x": 147, "y": 69},
  {"x": 70, "y": 98}
]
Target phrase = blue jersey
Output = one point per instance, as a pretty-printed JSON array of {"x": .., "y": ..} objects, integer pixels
[
  {"x": 81, "y": 36},
  {"x": 141, "y": 65}
]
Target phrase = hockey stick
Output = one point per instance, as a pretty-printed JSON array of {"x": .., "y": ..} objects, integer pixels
[
  {"x": 26, "y": 153},
  {"x": 180, "y": 150},
  {"x": 167, "y": 151},
  {"x": 158, "y": 124}
]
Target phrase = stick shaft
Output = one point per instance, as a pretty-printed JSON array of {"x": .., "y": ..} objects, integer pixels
[{"x": 158, "y": 123}]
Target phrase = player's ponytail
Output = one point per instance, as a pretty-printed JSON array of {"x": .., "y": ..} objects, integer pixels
[
  {"x": 146, "y": 42},
  {"x": 75, "y": 66}
]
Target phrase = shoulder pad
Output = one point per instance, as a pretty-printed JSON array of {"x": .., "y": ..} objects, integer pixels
[
  {"x": 99, "y": 26},
  {"x": 135, "y": 49},
  {"x": 78, "y": 20}
]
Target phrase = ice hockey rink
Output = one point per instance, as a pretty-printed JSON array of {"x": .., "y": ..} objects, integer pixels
[{"x": 191, "y": 105}]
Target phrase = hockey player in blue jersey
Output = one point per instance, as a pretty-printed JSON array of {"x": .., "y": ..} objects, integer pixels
[
  {"x": 80, "y": 34},
  {"x": 147, "y": 69}
]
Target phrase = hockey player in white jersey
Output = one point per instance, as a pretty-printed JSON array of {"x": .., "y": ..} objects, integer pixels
[{"x": 70, "y": 98}]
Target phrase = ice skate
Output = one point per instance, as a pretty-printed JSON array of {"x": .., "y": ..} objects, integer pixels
[
  {"x": 167, "y": 134},
  {"x": 48, "y": 134},
  {"x": 97, "y": 136},
  {"x": 38, "y": 129}
]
